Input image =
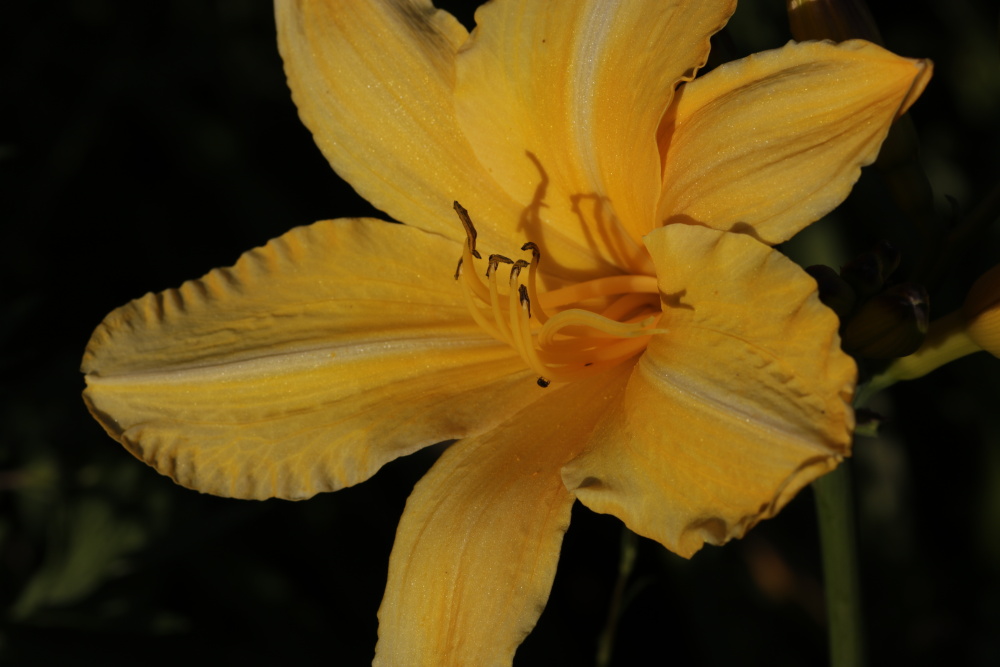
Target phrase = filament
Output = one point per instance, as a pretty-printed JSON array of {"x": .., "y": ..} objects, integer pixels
[{"x": 564, "y": 334}]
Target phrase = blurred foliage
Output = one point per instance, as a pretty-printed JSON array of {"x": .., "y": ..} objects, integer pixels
[{"x": 142, "y": 146}]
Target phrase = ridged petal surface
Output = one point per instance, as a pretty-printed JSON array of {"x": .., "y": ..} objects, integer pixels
[
  {"x": 742, "y": 401},
  {"x": 768, "y": 144},
  {"x": 303, "y": 368},
  {"x": 477, "y": 547}
]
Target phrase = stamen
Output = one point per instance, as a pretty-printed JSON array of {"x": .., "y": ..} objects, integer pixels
[
  {"x": 629, "y": 305},
  {"x": 515, "y": 273},
  {"x": 536, "y": 257},
  {"x": 622, "y": 349},
  {"x": 589, "y": 327},
  {"x": 495, "y": 262},
  {"x": 520, "y": 314},
  {"x": 565, "y": 296},
  {"x": 585, "y": 318},
  {"x": 487, "y": 325},
  {"x": 536, "y": 254},
  {"x": 473, "y": 280},
  {"x": 491, "y": 273},
  {"x": 522, "y": 293},
  {"x": 570, "y": 352},
  {"x": 470, "y": 229}
]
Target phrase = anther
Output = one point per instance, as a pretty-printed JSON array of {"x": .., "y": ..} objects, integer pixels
[
  {"x": 470, "y": 229},
  {"x": 589, "y": 327},
  {"x": 522, "y": 294},
  {"x": 495, "y": 262},
  {"x": 515, "y": 271}
]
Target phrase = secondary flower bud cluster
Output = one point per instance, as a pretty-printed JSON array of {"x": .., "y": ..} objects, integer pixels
[
  {"x": 982, "y": 311},
  {"x": 878, "y": 321}
]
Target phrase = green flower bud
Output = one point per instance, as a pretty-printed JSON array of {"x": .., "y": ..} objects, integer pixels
[{"x": 982, "y": 311}]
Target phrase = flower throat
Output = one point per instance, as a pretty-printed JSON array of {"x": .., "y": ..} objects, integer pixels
[{"x": 563, "y": 334}]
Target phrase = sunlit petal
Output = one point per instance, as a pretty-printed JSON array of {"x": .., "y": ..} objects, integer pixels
[
  {"x": 562, "y": 101},
  {"x": 305, "y": 367},
  {"x": 477, "y": 547},
  {"x": 373, "y": 80},
  {"x": 604, "y": 336},
  {"x": 743, "y": 401},
  {"x": 773, "y": 142}
]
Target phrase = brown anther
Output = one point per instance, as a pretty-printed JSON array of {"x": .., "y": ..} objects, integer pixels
[
  {"x": 536, "y": 254},
  {"x": 543, "y": 383},
  {"x": 522, "y": 293},
  {"x": 458, "y": 269},
  {"x": 470, "y": 229},
  {"x": 515, "y": 270},
  {"x": 495, "y": 262}
]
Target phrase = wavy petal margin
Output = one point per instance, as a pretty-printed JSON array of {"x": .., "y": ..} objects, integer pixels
[
  {"x": 477, "y": 547},
  {"x": 771, "y": 143},
  {"x": 373, "y": 80},
  {"x": 562, "y": 100},
  {"x": 743, "y": 401},
  {"x": 305, "y": 367}
]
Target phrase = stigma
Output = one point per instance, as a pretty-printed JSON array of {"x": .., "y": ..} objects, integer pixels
[{"x": 563, "y": 334}]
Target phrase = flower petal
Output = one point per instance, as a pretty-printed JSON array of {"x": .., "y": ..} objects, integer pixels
[
  {"x": 741, "y": 403},
  {"x": 305, "y": 367},
  {"x": 373, "y": 81},
  {"x": 773, "y": 142},
  {"x": 477, "y": 546},
  {"x": 563, "y": 99}
]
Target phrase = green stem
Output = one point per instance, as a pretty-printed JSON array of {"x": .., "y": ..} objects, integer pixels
[
  {"x": 834, "y": 509},
  {"x": 606, "y": 642},
  {"x": 947, "y": 340}
]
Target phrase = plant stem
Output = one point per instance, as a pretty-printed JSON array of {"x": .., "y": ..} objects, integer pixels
[
  {"x": 606, "y": 642},
  {"x": 834, "y": 509}
]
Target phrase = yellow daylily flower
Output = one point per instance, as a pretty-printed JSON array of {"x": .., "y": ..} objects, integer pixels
[{"x": 619, "y": 330}]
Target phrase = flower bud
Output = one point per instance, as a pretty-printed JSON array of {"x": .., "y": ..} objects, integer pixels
[
  {"x": 868, "y": 272},
  {"x": 864, "y": 274},
  {"x": 982, "y": 311},
  {"x": 888, "y": 257},
  {"x": 974, "y": 327},
  {"x": 890, "y": 324}
]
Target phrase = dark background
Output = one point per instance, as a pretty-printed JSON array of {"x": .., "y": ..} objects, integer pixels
[{"x": 142, "y": 144}]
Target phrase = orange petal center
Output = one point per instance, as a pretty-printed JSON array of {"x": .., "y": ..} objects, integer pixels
[{"x": 563, "y": 334}]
